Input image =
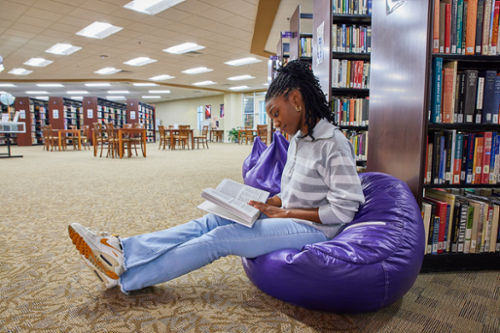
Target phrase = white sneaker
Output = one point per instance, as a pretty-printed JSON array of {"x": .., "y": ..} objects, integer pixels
[{"x": 103, "y": 254}]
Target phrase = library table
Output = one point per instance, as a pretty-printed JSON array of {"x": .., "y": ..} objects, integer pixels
[
  {"x": 72, "y": 131},
  {"x": 11, "y": 127},
  {"x": 244, "y": 132},
  {"x": 121, "y": 131},
  {"x": 218, "y": 135},
  {"x": 174, "y": 131}
]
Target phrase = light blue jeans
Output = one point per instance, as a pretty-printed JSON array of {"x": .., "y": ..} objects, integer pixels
[{"x": 164, "y": 255}]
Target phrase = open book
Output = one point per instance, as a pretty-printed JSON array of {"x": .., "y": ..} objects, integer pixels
[{"x": 230, "y": 200}]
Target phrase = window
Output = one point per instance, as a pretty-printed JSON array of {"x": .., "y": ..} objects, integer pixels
[{"x": 254, "y": 111}]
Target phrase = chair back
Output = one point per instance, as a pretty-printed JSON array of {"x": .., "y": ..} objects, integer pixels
[
  {"x": 184, "y": 127},
  {"x": 262, "y": 130},
  {"x": 127, "y": 125},
  {"x": 138, "y": 125},
  {"x": 184, "y": 131},
  {"x": 110, "y": 130},
  {"x": 204, "y": 130},
  {"x": 98, "y": 131},
  {"x": 170, "y": 126},
  {"x": 86, "y": 130}
]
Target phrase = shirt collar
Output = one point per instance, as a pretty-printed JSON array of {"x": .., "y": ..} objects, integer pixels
[{"x": 323, "y": 130}]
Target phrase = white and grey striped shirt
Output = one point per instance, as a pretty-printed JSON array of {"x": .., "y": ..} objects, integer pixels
[{"x": 322, "y": 173}]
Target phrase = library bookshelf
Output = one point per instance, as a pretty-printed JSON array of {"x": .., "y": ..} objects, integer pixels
[{"x": 400, "y": 111}]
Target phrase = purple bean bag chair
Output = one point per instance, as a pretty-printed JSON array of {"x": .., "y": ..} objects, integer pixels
[
  {"x": 372, "y": 263},
  {"x": 257, "y": 149},
  {"x": 266, "y": 173}
]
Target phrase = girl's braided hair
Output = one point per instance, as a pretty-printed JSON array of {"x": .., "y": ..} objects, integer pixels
[{"x": 298, "y": 75}]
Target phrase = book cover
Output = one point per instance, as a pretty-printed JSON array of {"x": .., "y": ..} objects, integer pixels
[
  {"x": 442, "y": 211},
  {"x": 494, "y": 144},
  {"x": 435, "y": 31},
  {"x": 470, "y": 95},
  {"x": 470, "y": 39},
  {"x": 450, "y": 199},
  {"x": 453, "y": 27},
  {"x": 455, "y": 227},
  {"x": 464, "y": 210},
  {"x": 426, "y": 218},
  {"x": 470, "y": 158},
  {"x": 485, "y": 176},
  {"x": 489, "y": 97},
  {"x": 478, "y": 111},
  {"x": 477, "y": 168},
  {"x": 460, "y": 11},
  {"x": 442, "y": 26},
  {"x": 485, "y": 39},
  {"x": 457, "y": 162},
  {"x": 468, "y": 230},
  {"x": 494, "y": 33},
  {"x": 464, "y": 26},
  {"x": 437, "y": 69},
  {"x": 494, "y": 228},
  {"x": 479, "y": 26}
]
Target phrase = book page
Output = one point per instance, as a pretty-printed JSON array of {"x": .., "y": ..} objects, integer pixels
[
  {"x": 236, "y": 206},
  {"x": 218, "y": 210},
  {"x": 242, "y": 192}
]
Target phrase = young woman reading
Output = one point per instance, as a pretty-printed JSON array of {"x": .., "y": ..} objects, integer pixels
[{"x": 320, "y": 192}]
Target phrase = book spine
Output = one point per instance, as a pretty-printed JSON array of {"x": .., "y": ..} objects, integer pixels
[
  {"x": 463, "y": 169},
  {"x": 463, "y": 226},
  {"x": 442, "y": 160},
  {"x": 479, "y": 26},
  {"x": 457, "y": 162},
  {"x": 485, "y": 50},
  {"x": 464, "y": 26},
  {"x": 470, "y": 40},
  {"x": 447, "y": 100},
  {"x": 460, "y": 11},
  {"x": 478, "y": 112},
  {"x": 447, "y": 31},
  {"x": 470, "y": 158},
  {"x": 485, "y": 177},
  {"x": 455, "y": 227},
  {"x": 489, "y": 97},
  {"x": 494, "y": 143},
  {"x": 453, "y": 32},
  {"x": 436, "y": 90},
  {"x": 478, "y": 160},
  {"x": 470, "y": 95},
  {"x": 494, "y": 34},
  {"x": 435, "y": 31}
]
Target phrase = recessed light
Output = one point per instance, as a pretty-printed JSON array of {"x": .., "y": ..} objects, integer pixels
[
  {"x": 243, "y": 61},
  {"x": 161, "y": 77},
  {"x": 238, "y": 88},
  {"x": 32, "y": 92},
  {"x": 20, "y": 71},
  {"x": 115, "y": 97},
  {"x": 151, "y": 7},
  {"x": 107, "y": 71},
  {"x": 151, "y": 96},
  {"x": 144, "y": 84},
  {"x": 76, "y": 97},
  {"x": 266, "y": 84},
  {"x": 63, "y": 49},
  {"x": 38, "y": 62},
  {"x": 197, "y": 70},
  {"x": 77, "y": 92},
  {"x": 204, "y": 83},
  {"x": 241, "y": 77},
  {"x": 118, "y": 92},
  {"x": 7, "y": 85},
  {"x": 159, "y": 91},
  {"x": 98, "y": 30},
  {"x": 49, "y": 85},
  {"x": 183, "y": 48},
  {"x": 141, "y": 61},
  {"x": 43, "y": 98},
  {"x": 102, "y": 84}
]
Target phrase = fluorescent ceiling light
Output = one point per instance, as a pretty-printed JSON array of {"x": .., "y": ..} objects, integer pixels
[
  {"x": 32, "y": 92},
  {"x": 107, "y": 71},
  {"x": 103, "y": 84},
  {"x": 98, "y": 30},
  {"x": 183, "y": 48},
  {"x": 141, "y": 61},
  {"x": 204, "y": 83},
  {"x": 115, "y": 97},
  {"x": 161, "y": 77},
  {"x": 118, "y": 92},
  {"x": 20, "y": 71},
  {"x": 77, "y": 92},
  {"x": 44, "y": 98},
  {"x": 7, "y": 85},
  {"x": 38, "y": 62},
  {"x": 49, "y": 85},
  {"x": 3, "y": 92},
  {"x": 159, "y": 91},
  {"x": 238, "y": 88},
  {"x": 77, "y": 97},
  {"x": 197, "y": 70},
  {"x": 243, "y": 61},
  {"x": 151, "y": 7},
  {"x": 63, "y": 49},
  {"x": 151, "y": 96},
  {"x": 145, "y": 84},
  {"x": 1, "y": 68},
  {"x": 266, "y": 84},
  {"x": 241, "y": 77}
]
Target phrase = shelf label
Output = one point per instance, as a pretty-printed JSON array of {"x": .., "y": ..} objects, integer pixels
[
  {"x": 286, "y": 34},
  {"x": 321, "y": 44},
  {"x": 90, "y": 113},
  {"x": 55, "y": 114},
  {"x": 273, "y": 57}
]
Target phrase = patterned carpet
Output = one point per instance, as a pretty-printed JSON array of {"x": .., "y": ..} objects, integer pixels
[{"x": 45, "y": 287}]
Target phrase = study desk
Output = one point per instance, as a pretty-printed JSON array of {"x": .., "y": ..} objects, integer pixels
[
  {"x": 174, "y": 131},
  {"x": 7, "y": 128},
  {"x": 121, "y": 131},
  {"x": 244, "y": 132},
  {"x": 72, "y": 131}
]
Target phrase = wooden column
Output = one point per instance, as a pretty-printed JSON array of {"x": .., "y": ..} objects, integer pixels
[
  {"x": 56, "y": 112},
  {"x": 89, "y": 105},
  {"x": 23, "y": 104},
  {"x": 132, "y": 111},
  {"x": 295, "y": 39},
  {"x": 322, "y": 14}
]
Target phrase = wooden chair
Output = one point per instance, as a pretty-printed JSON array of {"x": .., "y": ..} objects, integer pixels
[
  {"x": 84, "y": 137},
  {"x": 111, "y": 140},
  {"x": 53, "y": 137},
  {"x": 182, "y": 136},
  {"x": 71, "y": 138},
  {"x": 247, "y": 135},
  {"x": 137, "y": 138},
  {"x": 262, "y": 133},
  {"x": 202, "y": 138},
  {"x": 130, "y": 139},
  {"x": 99, "y": 138},
  {"x": 164, "y": 140},
  {"x": 45, "y": 136}
]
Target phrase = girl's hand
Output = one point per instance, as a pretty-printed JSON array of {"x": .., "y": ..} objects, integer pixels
[{"x": 270, "y": 211}]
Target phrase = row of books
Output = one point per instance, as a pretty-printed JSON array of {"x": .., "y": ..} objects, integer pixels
[
  {"x": 351, "y": 39},
  {"x": 354, "y": 74},
  {"x": 359, "y": 142},
  {"x": 468, "y": 27},
  {"x": 306, "y": 47},
  {"x": 466, "y": 96},
  {"x": 350, "y": 111},
  {"x": 352, "y": 7},
  {"x": 462, "y": 158},
  {"x": 461, "y": 223}
]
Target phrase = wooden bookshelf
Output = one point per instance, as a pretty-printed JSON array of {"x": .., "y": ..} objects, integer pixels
[
  {"x": 298, "y": 34},
  {"x": 399, "y": 109},
  {"x": 22, "y": 104}
]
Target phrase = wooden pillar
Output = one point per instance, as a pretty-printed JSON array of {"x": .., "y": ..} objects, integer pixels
[
  {"x": 89, "y": 105},
  {"x": 22, "y": 104},
  {"x": 132, "y": 111},
  {"x": 56, "y": 112}
]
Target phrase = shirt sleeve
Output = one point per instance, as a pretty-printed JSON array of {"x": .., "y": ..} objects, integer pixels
[{"x": 345, "y": 192}]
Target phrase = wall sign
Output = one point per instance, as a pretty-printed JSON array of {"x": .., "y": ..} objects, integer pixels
[
  {"x": 55, "y": 114},
  {"x": 90, "y": 113},
  {"x": 132, "y": 115}
]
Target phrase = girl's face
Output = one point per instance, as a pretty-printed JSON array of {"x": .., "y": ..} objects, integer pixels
[{"x": 288, "y": 114}]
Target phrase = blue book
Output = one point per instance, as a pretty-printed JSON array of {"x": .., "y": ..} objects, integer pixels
[
  {"x": 496, "y": 102},
  {"x": 435, "y": 236},
  {"x": 442, "y": 160},
  {"x": 437, "y": 79},
  {"x": 369, "y": 5},
  {"x": 458, "y": 158},
  {"x": 489, "y": 97},
  {"x": 460, "y": 14},
  {"x": 446, "y": 242},
  {"x": 470, "y": 158},
  {"x": 344, "y": 36},
  {"x": 494, "y": 152}
]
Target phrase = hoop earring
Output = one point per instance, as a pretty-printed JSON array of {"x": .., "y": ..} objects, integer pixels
[{"x": 298, "y": 109}]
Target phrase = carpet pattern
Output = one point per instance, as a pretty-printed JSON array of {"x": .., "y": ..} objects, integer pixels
[{"x": 46, "y": 287}]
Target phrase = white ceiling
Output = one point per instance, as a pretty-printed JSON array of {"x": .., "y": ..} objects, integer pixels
[{"x": 224, "y": 27}]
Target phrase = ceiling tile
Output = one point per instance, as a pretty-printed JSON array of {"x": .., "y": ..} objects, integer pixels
[
  {"x": 63, "y": 8},
  {"x": 101, "y": 7},
  {"x": 89, "y": 15},
  {"x": 43, "y": 14}
]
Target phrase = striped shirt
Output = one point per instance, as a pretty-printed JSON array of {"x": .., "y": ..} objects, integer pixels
[{"x": 322, "y": 173}]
